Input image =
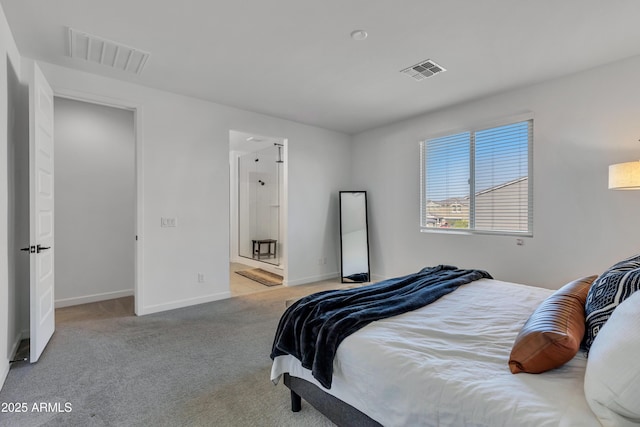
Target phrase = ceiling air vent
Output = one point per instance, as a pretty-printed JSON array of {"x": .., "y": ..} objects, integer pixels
[
  {"x": 423, "y": 70},
  {"x": 106, "y": 52}
]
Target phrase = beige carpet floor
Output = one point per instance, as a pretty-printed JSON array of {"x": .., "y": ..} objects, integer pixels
[{"x": 206, "y": 365}]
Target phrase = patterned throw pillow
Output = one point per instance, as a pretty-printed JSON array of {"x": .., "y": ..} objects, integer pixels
[{"x": 607, "y": 292}]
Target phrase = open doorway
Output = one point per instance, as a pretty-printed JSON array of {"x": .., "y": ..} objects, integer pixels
[
  {"x": 257, "y": 201},
  {"x": 86, "y": 174},
  {"x": 95, "y": 187}
]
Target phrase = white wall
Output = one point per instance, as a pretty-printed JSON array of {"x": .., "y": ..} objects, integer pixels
[
  {"x": 95, "y": 201},
  {"x": 9, "y": 327},
  {"x": 185, "y": 174},
  {"x": 582, "y": 123}
]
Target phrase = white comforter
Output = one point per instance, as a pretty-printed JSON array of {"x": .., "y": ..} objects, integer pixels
[{"x": 446, "y": 365}]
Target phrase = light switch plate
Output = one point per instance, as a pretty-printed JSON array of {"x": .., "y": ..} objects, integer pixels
[{"x": 168, "y": 222}]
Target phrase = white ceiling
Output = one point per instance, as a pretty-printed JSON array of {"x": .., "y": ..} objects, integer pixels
[
  {"x": 249, "y": 143},
  {"x": 294, "y": 58}
]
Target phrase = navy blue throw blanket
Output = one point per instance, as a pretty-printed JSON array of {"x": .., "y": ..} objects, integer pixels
[{"x": 312, "y": 328}]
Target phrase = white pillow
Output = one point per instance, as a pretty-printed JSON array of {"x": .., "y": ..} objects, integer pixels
[{"x": 612, "y": 377}]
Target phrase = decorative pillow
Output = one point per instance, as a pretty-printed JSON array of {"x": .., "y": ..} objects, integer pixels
[
  {"x": 612, "y": 378},
  {"x": 552, "y": 335},
  {"x": 612, "y": 287}
]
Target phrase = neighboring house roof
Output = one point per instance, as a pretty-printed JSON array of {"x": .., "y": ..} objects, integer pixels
[
  {"x": 465, "y": 200},
  {"x": 499, "y": 186}
]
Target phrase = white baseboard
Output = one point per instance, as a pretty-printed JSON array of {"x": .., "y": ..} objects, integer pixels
[
  {"x": 329, "y": 276},
  {"x": 66, "y": 302},
  {"x": 311, "y": 279},
  {"x": 149, "y": 309}
]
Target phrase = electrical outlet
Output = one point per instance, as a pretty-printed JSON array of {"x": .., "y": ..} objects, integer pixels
[{"x": 200, "y": 277}]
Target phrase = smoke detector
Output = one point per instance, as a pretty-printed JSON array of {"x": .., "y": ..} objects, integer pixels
[
  {"x": 105, "y": 52},
  {"x": 423, "y": 70}
]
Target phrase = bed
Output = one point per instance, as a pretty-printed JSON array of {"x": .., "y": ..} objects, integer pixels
[{"x": 446, "y": 364}]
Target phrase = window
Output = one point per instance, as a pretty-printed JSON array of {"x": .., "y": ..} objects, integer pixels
[{"x": 479, "y": 181}]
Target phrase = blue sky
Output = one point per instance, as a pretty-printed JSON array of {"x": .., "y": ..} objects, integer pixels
[{"x": 501, "y": 155}]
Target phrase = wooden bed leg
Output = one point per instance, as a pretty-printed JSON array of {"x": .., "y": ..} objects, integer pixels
[{"x": 296, "y": 402}]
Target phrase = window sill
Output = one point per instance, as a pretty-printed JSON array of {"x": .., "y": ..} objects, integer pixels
[{"x": 472, "y": 232}]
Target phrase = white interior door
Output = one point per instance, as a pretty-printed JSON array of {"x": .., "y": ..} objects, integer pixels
[{"x": 42, "y": 312}]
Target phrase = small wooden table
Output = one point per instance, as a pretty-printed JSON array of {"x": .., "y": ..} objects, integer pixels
[{"x": 257, "y": 248}]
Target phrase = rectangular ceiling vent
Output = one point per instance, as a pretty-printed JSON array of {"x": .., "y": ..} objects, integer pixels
[
  {"x": 423, "y": 70},
  {"x": 106, "y": 52}
]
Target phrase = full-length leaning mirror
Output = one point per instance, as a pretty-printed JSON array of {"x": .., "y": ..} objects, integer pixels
[{"x": 354, "y": 237}]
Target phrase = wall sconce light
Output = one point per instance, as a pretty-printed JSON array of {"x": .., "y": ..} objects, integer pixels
[{"x": 624, "y": 176}]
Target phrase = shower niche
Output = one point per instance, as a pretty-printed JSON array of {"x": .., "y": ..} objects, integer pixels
[{"x": 260, "y": 184}]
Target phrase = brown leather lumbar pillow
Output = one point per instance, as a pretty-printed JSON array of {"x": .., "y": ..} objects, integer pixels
[{"x": 552, "y": 335}]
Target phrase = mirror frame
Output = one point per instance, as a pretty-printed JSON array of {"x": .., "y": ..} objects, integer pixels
[{"x": 366, "y": 225}]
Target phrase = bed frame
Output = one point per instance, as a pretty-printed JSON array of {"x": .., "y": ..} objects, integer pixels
[{"x": 339, "y": 412}]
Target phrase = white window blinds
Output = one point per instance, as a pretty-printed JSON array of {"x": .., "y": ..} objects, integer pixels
[{"x": 479, "y": 181}]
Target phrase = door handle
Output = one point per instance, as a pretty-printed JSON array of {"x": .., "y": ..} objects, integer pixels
[
  {"x": 42, "y": 248},
  {"x": 30, "y": 249}
]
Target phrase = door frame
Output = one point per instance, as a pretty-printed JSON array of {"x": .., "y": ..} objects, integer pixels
[{"x": 138, "y": 172}]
